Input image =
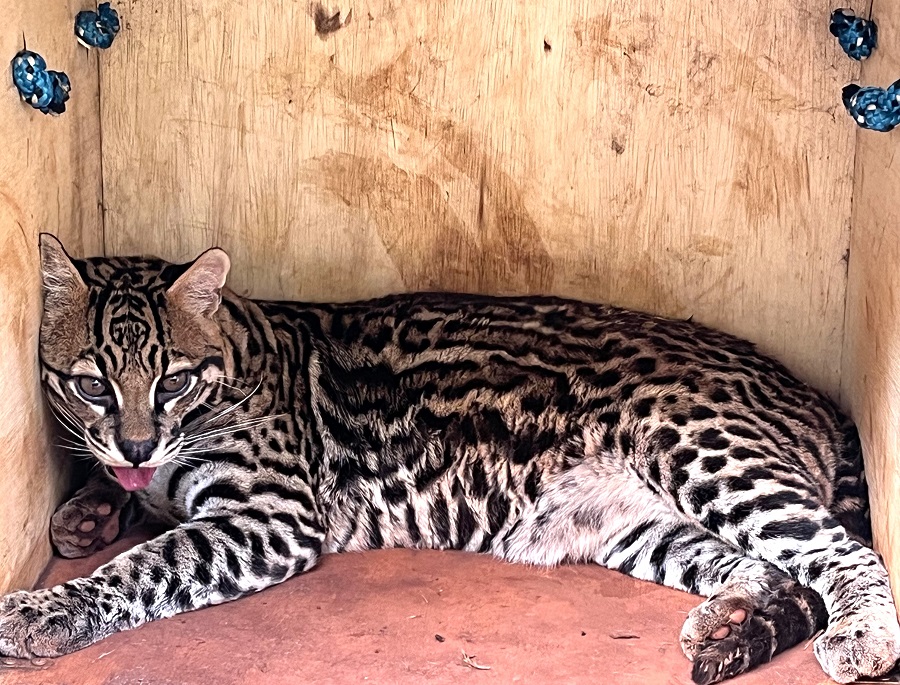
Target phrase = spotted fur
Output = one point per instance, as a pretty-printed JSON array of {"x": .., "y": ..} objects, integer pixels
[{"x": 536, "y": 429}]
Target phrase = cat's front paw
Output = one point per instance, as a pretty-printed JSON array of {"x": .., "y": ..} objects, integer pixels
[
  {"x": 856, "y": 647},
  {"x": 88, "y": 522},
  {"x": 44, "y": 623}
]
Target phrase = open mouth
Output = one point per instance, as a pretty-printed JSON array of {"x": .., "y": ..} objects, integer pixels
[{"x": 134, "y": 478}]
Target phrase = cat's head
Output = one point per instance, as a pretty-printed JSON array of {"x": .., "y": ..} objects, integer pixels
[{"x": 129, "y": 348}]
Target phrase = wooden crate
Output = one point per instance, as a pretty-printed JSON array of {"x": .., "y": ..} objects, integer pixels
[{"x": 689, "y": 159}]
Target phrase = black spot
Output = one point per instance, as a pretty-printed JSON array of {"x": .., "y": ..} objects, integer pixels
[
  {"x": 713, "y": 464},
  {"x": 737, "y": 484},
  {"x": 689, "y": 578},
  {"x": 278, "y": 545},
  {"x": 148, "y": 597},
  {"x": 440, "y": 519},
  {"x": 632, "y": 537},
  {"x": 608, "y": 378},
  {"x": 478, "y": 480},
  {"x": 665, "y": 438},
  {"x": 627, "y": 390},
  {"x": 797, "y": 529},
  {"x": 625, "y": 442},
  {"x": 645, "y": 365},
  {"x": 169, "y": 551},
  {"x": 610, "y": 418},
  {"x": 498, "y": 511},
  {"x": 227, "y": 587},
  {"x": 742, "y": 432},
  {"x": 679, "y": 419},
  {"x": 654, "y": 472},
  {"x": 679, "y": 478},
  {"x": 465, "y": 523},
  {"x": 712, "y": 439},
  {"x": 231, "y": 561},
  {"x": 773, "y": 502},
  {"x": 720, "y": 396},
  {"x": 739, "y": 452},
  {"x": 201, "y": 544},
  {"x": 492, "y": 427},
  {"x": 226, "y": 526},
  {"x": 220, "y": 489},
  {"x": 701, "y": 495},
  {"x": 701, "y": 413},
  {"x": 713, "y": 521},
  {"x": 411, "y": 525},
  {"x": 682, "y": 457},
  {"x": 394, "y": 493},
  {"x": 661, "y": 551},
  {"x": 376, "y": 540},
  {"x": 282, "y": 491},
  {"x": 256, "y": 515},
  {"x": 532, "y": 484},
  {"x": 644, "y": 407},
  {"x": 114, "y": 580}
]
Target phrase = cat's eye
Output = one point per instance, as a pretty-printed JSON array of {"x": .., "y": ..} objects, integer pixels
[
  {"x": 174, "y": 384},
  {"x": 92, "y": 388}
]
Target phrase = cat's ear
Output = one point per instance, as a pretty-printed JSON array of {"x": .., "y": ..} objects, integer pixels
[
  {"x": 198, "y": 290},
  {"x": 64, "y": 319},
  {"x": 64, "y": 290}
]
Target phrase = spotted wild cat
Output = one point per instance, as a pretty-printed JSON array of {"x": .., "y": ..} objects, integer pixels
[{"x": 536, "y": 429}]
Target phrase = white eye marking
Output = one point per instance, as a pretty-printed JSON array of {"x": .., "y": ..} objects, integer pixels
[
  {"x": 170, "y": 405},
  {"x": 86, "y": 367},
  {"x": 153, "y": 392}
]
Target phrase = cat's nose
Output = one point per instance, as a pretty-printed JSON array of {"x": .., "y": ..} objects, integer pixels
[{"x": 138, "y": 451}]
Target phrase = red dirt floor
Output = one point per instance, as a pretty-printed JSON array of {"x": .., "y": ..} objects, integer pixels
[{"x": 376, "y": 617}]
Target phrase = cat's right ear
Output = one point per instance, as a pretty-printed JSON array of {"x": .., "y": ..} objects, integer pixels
[
  {"x": 65, "y": 304},
  {"x": 63, "y": 287}
]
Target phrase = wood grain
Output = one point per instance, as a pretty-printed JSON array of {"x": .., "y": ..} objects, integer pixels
[
  {"x": 871, "y": 369},
  {"x": 49, "y": 181},
  {"x": 684, "y": 158}
]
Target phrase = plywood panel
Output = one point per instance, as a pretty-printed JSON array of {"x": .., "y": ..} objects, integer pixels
[
  {"x": 681, "y": 157},
  {"x": 49, "y": 181},
  {"x": 872, "y": 352}
]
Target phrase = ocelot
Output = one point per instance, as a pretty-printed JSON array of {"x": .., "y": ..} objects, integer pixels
[{"x": 536, "y": 429}]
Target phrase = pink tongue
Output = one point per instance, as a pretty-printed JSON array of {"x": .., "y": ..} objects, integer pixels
[{"x": 134, "y": 478}]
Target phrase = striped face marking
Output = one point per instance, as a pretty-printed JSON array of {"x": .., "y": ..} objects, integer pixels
[{"x": 129, "y": 350}]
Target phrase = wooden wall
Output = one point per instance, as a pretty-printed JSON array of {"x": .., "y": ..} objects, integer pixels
[
  {"x": 49, "y": 181},
  {"x": 871, "y": 370},
  {"x": 688, "y": 158}
]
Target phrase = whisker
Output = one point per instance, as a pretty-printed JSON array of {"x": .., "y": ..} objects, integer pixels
[
  {"x": 66, "y": 422},
  {"x": 232, "y": 378},
  {"x": 206, "y": 420},
  {"x": 225, "y": 430},
  {"x": 227, "y": 385},
  {"x": 217, "y": 413}
]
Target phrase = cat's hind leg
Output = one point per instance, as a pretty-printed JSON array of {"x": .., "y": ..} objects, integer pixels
[{"x": 754, "y": 610}]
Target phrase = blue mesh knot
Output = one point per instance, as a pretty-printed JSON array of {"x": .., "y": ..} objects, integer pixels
[
  {"x": 873, "y": 108},
  {"x": 97, "y": 29},
  {"x": 42, "y": 89},
  {"x": 858, "y": 37}
]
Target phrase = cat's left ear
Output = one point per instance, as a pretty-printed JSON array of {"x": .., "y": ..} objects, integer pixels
[{"x": 198, "y": 290}]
